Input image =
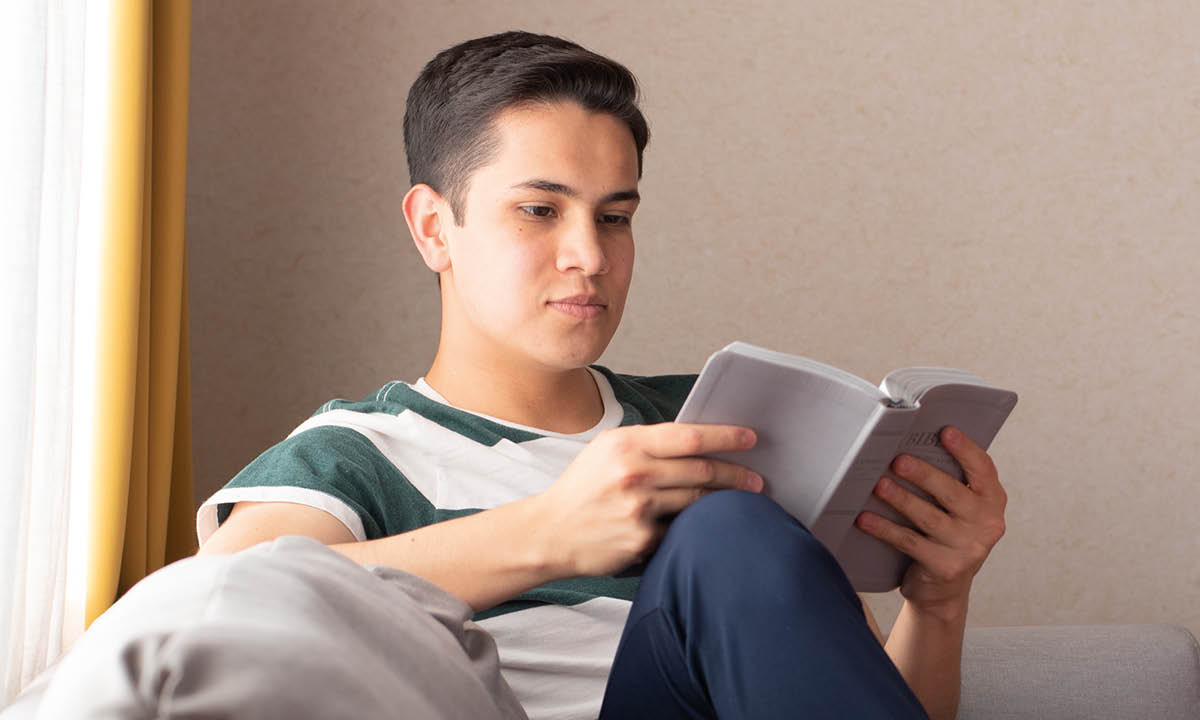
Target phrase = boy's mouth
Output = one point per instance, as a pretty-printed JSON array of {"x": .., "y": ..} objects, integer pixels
[{"x": 580, "y": 306}]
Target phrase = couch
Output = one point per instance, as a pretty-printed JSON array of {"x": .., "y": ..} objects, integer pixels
[
  {"x": 1082, "y": 671},
  {"x": 1085, "y": 671}
]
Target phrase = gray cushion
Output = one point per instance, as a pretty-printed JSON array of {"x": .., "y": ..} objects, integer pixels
[
  {"x": 26, "y": 704},
  {"x": 1092, "y": 671},
  {"x": 287, "y": 629}
]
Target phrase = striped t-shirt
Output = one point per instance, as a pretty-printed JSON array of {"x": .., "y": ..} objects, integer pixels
[{"x": 404, "y": 458}]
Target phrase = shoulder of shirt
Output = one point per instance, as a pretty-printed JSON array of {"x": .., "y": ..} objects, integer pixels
[
  {"x": 649, "y": 398},
  {"x": 397, "y": 398},
  {"x": 645, "y": 399}
]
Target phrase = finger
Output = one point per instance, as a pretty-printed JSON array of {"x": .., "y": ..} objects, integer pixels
[
  {"x": 701, "y": 472},
  {"x": 656, "y": 538},
  {"x": 945, "y": 489},
  {"x": 670, "y": 440},
  {"x": 929, "y": 519},
  {"x": 674, "y": 500},
  {"x": 653, "y": 537},
  {"x": 977, "y": 465},
  {"x": 906, "y": 540}
]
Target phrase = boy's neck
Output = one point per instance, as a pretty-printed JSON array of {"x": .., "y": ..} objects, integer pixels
[{"x": 560, "y": 401}]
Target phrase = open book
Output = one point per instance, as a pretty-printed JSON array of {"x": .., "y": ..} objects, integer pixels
[{"x": 825, "y": 437}]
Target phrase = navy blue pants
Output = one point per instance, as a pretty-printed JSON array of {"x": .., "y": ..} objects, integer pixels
[{"x": 741, "y": 613}]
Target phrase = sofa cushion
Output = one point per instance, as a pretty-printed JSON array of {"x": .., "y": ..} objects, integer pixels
[{"x": 1082, "y": 671}]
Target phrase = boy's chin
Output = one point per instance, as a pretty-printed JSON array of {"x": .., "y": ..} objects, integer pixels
[{"x": 570, "y": 358}]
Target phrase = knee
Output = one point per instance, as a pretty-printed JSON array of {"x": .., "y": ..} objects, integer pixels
[
  {"x": 732, "y": 509},
  {"x": 731, "y": 546},
  {"x": 736, "y": 528}
]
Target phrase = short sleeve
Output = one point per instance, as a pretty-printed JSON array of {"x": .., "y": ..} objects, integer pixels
[{"x": 331, "y": 468}]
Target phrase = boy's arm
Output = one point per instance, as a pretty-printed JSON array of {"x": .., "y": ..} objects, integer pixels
[
  {"x": 871, "y": 622},
  {"x": 484, "y": 558},
  {"x": 955, "y": 538},
  {"x": 599, "y": 517}
]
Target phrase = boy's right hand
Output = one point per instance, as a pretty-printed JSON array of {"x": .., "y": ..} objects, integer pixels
[{"x": 605, "y": 512}]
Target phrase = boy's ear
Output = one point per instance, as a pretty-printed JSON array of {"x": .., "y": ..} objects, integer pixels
[{"x": 424, "y": 209}]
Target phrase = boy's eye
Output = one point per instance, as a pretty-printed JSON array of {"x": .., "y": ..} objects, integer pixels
[
  {"x": 541, "y": 211},
  {"x": 614, "y": 219},
  {"x": 546, "y": 211}
]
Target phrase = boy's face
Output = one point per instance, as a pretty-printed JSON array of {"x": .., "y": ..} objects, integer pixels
[{"x": 539, "y": 269}]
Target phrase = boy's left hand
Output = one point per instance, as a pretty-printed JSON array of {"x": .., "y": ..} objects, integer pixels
[{"x": 954, "y": 539}]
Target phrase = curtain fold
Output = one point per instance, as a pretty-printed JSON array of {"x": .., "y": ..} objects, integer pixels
[
  {"x": 42, "y": 78},
  {"x": 142, "y": 473},
  {"x": 95, "y": 444}
]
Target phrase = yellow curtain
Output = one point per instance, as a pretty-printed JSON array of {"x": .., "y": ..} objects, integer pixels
[{"x": 141, "y": 495}]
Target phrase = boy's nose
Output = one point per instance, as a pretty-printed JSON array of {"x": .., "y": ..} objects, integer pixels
[{"x": 581, "y": 248}]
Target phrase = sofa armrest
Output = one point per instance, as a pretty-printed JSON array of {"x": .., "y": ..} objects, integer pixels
[{"x": 1082, "y": 671}]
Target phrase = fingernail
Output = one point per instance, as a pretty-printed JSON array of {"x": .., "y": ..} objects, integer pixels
[
  {"x": 866, "y": 522},
  {"x": 884, "y": 485},
  {"x": 950, "y": 437},
  {"x": 756, "y": 482},
  {"x": 905, "y": 464},
  {"x": 748, "y": 438}
]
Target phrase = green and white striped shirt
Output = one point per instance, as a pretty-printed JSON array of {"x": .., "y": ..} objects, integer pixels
[{"x": 404, "y": 458}]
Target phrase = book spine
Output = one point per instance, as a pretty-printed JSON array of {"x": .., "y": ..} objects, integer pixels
[{"x": 864, "y": 464}]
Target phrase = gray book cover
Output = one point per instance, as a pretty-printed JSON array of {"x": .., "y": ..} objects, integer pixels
[{"x": 826, "y": 436}]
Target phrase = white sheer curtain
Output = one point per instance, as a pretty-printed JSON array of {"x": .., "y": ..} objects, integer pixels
[{"x": 45, "y": 314}]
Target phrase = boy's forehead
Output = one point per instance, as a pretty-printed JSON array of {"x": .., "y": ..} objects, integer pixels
[{"x": 561, "y": 143}]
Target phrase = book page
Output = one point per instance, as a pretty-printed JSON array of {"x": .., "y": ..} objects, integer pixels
[{"x": 907, "y": 385}]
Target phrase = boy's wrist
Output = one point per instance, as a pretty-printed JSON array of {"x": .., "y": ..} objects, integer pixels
[
  {"x": 949, "y": 613},
  {"x": 542, "y": 552}
]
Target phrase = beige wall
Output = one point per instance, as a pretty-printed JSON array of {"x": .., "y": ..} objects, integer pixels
[{"x": 1013, "y": 188}]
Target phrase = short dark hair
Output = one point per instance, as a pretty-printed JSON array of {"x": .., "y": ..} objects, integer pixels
[{"x": 453, "y": 102}]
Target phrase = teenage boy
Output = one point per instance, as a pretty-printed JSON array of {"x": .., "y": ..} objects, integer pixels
[{"x": 522, "y": 479}]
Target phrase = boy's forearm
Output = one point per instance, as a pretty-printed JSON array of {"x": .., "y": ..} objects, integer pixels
[
  {"x": 483, "y": 559},
  {"x": 927, "y": 648}
]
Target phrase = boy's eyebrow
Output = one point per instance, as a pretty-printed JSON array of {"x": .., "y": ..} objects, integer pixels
[{"x": 560, "y": 189}]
